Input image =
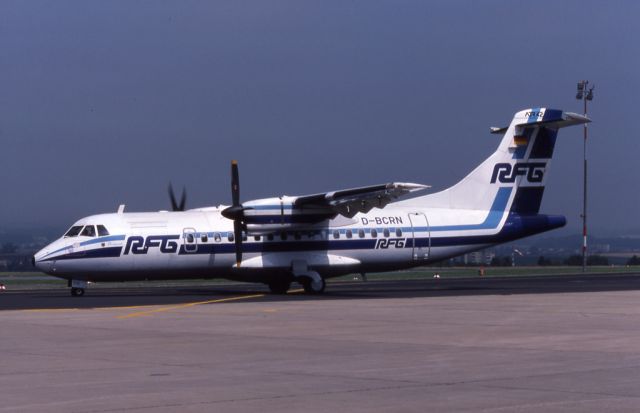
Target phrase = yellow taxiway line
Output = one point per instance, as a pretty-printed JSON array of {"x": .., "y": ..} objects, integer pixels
[
  {"x": 153, "y": 309},
  {"x": 192, "y": 304}
]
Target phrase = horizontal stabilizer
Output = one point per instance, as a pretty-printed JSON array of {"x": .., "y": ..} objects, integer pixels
[
  {"x": 552, "y": 118},
  {"x": 549, "y": 117}
]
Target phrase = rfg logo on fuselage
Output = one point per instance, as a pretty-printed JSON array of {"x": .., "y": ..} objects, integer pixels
[
  {"x": 506, "y": 173},
  {"x": 386, "y": 243},
  {"x": 138, "y": 244}
]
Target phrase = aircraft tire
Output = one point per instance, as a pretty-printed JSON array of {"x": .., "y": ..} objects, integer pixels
[
  {"x": 279, "y": 287},
  {"x": 77, "y": 292},
  {"x": 309, "y": 287}
]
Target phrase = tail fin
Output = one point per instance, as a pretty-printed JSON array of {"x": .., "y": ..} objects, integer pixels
[{"x": 514, "y": 175}]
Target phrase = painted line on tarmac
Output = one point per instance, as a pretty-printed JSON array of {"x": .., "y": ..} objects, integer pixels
[
  {"x": 49, "y": 310},
  {"x": 187, "y": 305}
]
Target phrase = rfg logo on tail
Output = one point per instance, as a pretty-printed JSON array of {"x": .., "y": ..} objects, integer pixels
[{"x": 506, "y": 173}]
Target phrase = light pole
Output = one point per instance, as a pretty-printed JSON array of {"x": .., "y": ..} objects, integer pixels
[{"x": 585, "y": 95}]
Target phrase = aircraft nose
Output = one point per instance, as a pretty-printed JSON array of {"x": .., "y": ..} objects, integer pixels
[{"x": 40, "y": 264}]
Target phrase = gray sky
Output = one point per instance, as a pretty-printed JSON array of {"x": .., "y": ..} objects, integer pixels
[{"x": 105, "y": 102}]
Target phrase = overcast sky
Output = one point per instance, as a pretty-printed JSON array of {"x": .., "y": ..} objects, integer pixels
[{"x": 105, "y": 102}]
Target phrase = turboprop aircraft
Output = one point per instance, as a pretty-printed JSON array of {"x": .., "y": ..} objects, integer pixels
[{"x": 310, "y": 238}]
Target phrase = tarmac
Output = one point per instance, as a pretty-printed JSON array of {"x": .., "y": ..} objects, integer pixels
[{"x": 525, "y": 344}]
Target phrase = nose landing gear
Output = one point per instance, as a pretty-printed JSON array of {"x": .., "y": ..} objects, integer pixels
[
  {"x": 77, "y": 292},
  {"x": 77, "y": 287}
]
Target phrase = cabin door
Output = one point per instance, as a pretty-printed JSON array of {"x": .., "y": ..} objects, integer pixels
[
  {"x": 190, "y": 240},
  {"x": 421, "y": 236}
]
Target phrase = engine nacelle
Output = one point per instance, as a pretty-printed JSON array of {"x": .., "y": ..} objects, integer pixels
[{"x": 274, "y": 214}]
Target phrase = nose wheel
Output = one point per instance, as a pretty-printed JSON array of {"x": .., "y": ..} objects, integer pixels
[
  {"x": 77, "y": 287},
  {"x": 77, "y": 292}
]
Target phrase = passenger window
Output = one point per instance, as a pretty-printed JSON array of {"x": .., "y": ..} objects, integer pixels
[
  {"x": 217, "y": 237},
  {"x": 73, "y": 231},
  {"x": 256, "y": 237},
  {"x": 204, "y": 238},
  {"x": 361, "y": 233},
  {"x": 336, "y": 234},
  {"x": 102, "y": 231},
  {"x": 230, "y": 236},
  {"x": 374, "y": 233},
  {"x": 88, "y": 231},
  {"x": 270, "y": 237},
  {"x": 398, "y": 232},
  {"x": 349, "y": 234},
  {"x": 190, "y": 238},
  {"x": 283, "y": 236},
  {"x": 385, "y": 232}
]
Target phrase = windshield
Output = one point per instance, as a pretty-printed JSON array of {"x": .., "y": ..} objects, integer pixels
[
  {"x": 88, "y": 231},
  {"x": 73, "y": 231}
]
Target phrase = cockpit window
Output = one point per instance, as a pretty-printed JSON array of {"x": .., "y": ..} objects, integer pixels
[
  {"x": 102, "y": 231},
  {"x": 73, "y": 231},
  {"x": 88, "y": 231}
]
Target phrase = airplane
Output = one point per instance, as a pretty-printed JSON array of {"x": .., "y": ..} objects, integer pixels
[{"x": 308, "y": 239}]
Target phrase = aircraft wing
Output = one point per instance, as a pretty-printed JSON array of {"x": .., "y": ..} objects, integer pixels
[{"x": 348, "y": 202}]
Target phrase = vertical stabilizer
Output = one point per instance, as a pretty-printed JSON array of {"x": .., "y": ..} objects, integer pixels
[{"x": 517, "y": 169}]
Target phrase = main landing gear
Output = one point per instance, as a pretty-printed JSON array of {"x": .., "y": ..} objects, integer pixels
[
  {"x": 310, "y": 285},
  {"x": 77, "y": 287},
  {"x": 311, "y": 281},
  {"x": 313, "y": 286},
  {"x": 279, "y": 287}
]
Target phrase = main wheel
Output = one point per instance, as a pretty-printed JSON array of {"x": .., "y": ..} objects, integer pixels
[
  {"x": 279, "y": 287},
  {"x": 311, "y": 288}
]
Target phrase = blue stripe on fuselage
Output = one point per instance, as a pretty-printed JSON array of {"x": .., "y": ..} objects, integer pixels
[{"x": 492, "y": 220}]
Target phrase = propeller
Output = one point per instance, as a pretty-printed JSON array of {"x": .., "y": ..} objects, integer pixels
[
  {"x": 235, "y": 211},
  {"x": 175, "y": 206}
]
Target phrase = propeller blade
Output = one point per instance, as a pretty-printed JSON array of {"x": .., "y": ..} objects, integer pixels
[
  {"x": 237, "y": 233},
  {"x": 235, "y": 211},
  {"x": 172, "y": 198},
  {"x": 235, "y": 184},
  {"x": 183, "y": 199},
  {"x": 175, "y": 206}
]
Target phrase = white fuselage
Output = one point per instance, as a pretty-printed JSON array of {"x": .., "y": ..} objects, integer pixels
[
  {"x": 199, "y": 244},
  {"x": 324, "y": 235}
]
